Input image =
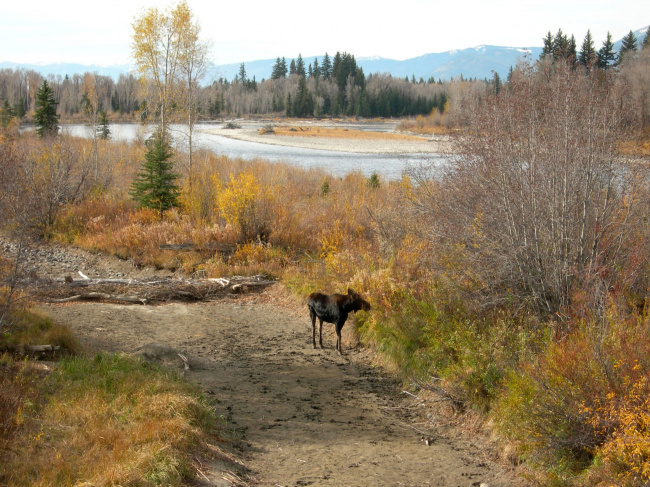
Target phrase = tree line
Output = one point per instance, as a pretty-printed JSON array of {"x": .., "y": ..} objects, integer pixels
[
  {"x": 561, "y": 45},
  {"x": 335, "y": 87},
  {"x": 375, "y": 95}
]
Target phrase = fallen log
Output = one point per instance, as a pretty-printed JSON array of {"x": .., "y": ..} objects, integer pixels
[{"x": 105, "y": 296}]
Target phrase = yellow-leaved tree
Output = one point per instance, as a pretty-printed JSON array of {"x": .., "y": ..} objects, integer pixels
[
  {"x": 169, "y": 58},
  {"x": 244, "y": 203}
]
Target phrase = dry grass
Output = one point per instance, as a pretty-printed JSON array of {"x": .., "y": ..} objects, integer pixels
[
  {"x": 110, "y": 420},
  {"x": 340, "y": 133},
  {"x": 432, "y": 124}
]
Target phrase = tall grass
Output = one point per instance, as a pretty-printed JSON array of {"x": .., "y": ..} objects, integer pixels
[{"x": 109, "y": 420}]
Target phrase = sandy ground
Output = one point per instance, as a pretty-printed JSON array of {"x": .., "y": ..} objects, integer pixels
[
  {"x": 298, "y": 416},
  {"x": 250, "y": 132}
]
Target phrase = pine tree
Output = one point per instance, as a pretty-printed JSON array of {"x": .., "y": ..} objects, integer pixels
[
  {"x": 284, "y": 67},
  {"x": 326, "y": 68},
  {"x": 572, "y": 51},
  {"x": 560, "y": 45},
  {"x": 496, "y": 80},
  {"x": 629, "y": 44},
  {"x": 19, "y": 108},
  {"x": 102, "y": 130},
  {"x": 300, "y": 66},
  {"x": 288, "y": 104},
  {"x": 606, "y": 54},
  {"x": 316, "y": 69},
  {"x": 303, "y": 104},
  {"x": 292, "y": 67},
  {"x": 242, "y": 74},
  {"x": 6, "y": 114},
  {"x": 278, "y": 70},
  {"x": 548, "y": 45},
  {"x": 587, "y": 51},
  {"x": 155, "y": 186},
  {"x": 45, "y": 116}
]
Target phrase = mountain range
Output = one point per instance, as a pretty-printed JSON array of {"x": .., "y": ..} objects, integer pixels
[{"x": 476, "y": 62}]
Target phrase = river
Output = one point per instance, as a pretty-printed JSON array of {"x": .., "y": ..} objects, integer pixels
[{"x": 388, "y": 166}]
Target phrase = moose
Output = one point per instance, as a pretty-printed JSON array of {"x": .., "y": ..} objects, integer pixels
[{"x": 333, "y": 308}]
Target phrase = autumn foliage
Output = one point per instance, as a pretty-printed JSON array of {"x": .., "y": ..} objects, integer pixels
[{"x": 516, "y": 275}]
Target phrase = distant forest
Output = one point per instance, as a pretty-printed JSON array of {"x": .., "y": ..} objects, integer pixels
[{"x": 335, "y": 87}]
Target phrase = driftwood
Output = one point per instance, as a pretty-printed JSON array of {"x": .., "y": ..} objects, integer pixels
[
  {"x": 105, "y": 296},
  {"x": 146, "y": 291}
]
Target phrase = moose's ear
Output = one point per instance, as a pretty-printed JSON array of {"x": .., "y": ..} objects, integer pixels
[{"x": 350, "y": 291}]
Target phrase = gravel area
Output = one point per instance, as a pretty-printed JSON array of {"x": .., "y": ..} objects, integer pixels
[{"x": 250, "y": 133}]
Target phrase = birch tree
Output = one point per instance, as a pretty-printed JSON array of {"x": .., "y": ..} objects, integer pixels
[
  {"x": 193, "y": 68},
  {"x": 156, "y": 51}
]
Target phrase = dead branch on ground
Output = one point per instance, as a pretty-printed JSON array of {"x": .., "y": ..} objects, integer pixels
[{"x": 147, "y": 291}]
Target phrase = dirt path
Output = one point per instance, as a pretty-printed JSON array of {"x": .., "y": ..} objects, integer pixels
[
  {"x": 302, "y": 416},
  {"x": 299, "y": 416}
]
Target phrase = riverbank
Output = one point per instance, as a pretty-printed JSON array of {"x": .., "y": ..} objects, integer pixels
[{"x": 250, "y": 132}]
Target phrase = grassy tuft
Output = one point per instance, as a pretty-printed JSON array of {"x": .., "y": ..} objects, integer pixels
[{"x": 33, "y": 327}]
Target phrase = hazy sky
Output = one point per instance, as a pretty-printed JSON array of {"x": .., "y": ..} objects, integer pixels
[{"x": 99, "y": 32}]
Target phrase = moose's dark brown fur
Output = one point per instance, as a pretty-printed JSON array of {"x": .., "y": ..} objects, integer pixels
[{"x": 333, "y": 308}]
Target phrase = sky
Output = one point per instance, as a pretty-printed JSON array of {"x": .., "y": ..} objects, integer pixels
[{"x": 98, "y": 33}]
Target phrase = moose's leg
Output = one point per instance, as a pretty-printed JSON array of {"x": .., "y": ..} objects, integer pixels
[
  {"x": 313, "y": 327},
  {"x": 320, "y": 334},
  {"x": 339, "y": 347}
]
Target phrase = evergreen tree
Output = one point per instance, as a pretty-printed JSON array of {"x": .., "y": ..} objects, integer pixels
[
  {"x": 242, "y": 74},
  {"x": 316, "y": 69},
  {"x": 292, "y": 67},
  {"x": 548, "y": 45},
  {"x": 587, "y": 51},
  {"x": 19, "y": 108},
  {"x": 102, "y": 130},
  {"x": 278, "y": 70},
  {"x": 606, "y": 54},
  {"x": 6, "y": 114},
  {"x": 300, "y": 66},
  {"x": 284, "y": 67},
  {"x": 326, "y": 69},
  {"x": 572, "y": 51},
  {"x": 154, "y": 187},
  {"x": 560, "y": 45},
  {"x": 303, "y": 104},
  {"x": 496, "y": 81},
  {"x": 45, "y": 116},
  {"x": 629, "y": 44},
  {"x": 288, "y": 104}
]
